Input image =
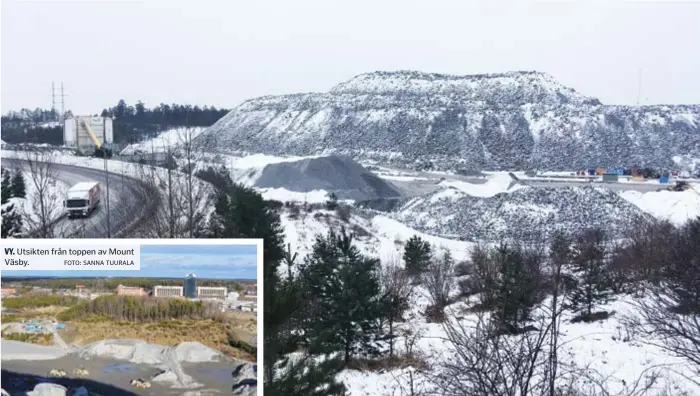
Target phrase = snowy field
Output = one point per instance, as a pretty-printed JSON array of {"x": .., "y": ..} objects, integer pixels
[{"x": 604, "y": 347}]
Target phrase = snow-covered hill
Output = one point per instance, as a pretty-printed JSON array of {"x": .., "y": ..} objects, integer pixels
[
  {"x": 519, "y": 214},
  {"x": 166, "y": 141},
  {"x": 512, "y": 120}
]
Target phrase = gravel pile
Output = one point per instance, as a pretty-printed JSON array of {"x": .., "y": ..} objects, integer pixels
[{"x": 337, "y": 174}]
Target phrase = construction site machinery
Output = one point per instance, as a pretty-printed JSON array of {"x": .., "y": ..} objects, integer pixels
[
  {"x": 678, "y": 187},
  {"x": 100, "y": 150}
]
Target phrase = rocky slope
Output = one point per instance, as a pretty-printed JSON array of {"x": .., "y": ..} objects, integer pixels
[
  {"x": 523, "y": 214},
  {"x": 511, "y": 120}
]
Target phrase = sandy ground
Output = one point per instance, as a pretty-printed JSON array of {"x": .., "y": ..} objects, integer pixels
[{"x": 111, "y": 377}]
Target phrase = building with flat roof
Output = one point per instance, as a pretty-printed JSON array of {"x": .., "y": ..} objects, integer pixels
[
  {"x": 167, "y": 291},
  {"x": 130, "y": 291},
  {"x": 211, "y": 292}
]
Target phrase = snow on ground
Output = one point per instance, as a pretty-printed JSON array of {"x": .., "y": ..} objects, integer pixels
[
  {"x": 148, "y": 173},
  {"x": 674, "y": 206},
  {"x": 496, "y": 184},
  {"x": 377, "y": 236},
  {"x": 29, "y": 207},
  {"x": 605, "y": 347},
  {"x": 284, "y": 195},
  {"x": 244, "y": 169},
  {"x": 165, "y": 141}
]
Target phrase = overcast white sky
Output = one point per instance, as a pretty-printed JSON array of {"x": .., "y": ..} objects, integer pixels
[{"x": 223, "y": 52}]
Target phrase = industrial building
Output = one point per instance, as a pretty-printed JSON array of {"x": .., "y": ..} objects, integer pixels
[
  {"x": 191, "y": 286},
  {"x": 80, "y": 132},
  {"x": 130, "y": 291},
  {"x": 211, "y": 292},
  {"x": 611, "y": 177},
  {"x": 251, "y": 290},
  {"x": 167, "y": 291}
]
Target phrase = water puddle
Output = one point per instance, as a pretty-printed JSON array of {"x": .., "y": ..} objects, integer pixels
[
  {"x": 220, "y": 374},
  {"x": 120, "y": 368}
]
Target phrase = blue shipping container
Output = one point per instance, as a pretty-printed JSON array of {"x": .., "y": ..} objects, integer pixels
[{"x": 663, "y": 180}]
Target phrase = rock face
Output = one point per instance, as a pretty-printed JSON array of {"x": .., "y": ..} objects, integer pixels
[
  {"x": 337, "y": 174},
  {"x": 515, "y": 120},
  {"x": 526, "y": 214}
]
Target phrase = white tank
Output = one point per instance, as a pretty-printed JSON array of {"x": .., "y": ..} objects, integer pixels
[{"x": 69, "y": 132}]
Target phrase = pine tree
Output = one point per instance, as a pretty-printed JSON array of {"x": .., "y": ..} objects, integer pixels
[
  {"x": 241, "y": 212},
  {"x": 6, "y": 187},
  {"x": 345, "y": 287},
  {"x": 517, "y": 284},
  {"x": 19, "y": 189},
  {"x": 590, "y": 266},
  {"x": 332, "y": 202},
  {"x": 11, "y": 222},
  {"x": 417, "y": 255}
]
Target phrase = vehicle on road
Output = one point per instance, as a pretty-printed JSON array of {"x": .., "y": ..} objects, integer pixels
[{"x": 82, "y": 199}]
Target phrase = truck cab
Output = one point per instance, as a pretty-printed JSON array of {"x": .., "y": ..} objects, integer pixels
[{"x": 82, "y": 199}]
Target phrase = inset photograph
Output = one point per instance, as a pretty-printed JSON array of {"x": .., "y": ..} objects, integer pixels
[{"x": 185, "y": 323}]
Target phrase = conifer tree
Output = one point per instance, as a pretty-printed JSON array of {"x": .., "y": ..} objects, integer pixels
[
  {"x": 417, "y": 255},
  {"x": 590, "y": 266},
  {"x": 11, "y": 222},
  {"x": 345, "y": 287},
  {"x": 19, "y": 189},
  {"x": 332, "y": 202},
  {"x": 241, "y": 212},
  {"x": 517, "y": 284},
  {"x": 6, "y": 187}
]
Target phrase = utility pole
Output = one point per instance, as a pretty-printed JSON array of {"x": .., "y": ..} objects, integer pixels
[
  {"x": 104, "y": 155},
  {"x": 53, "y": 100},
  {"x": 63, "y": 103}
]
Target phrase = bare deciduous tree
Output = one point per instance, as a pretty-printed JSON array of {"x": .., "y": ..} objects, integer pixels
[
  {"x": 46, "y": 199},
  {"x": 186, "y": 198},
  {"x": 438, "y": 280},
  {"x": 396, "y": 292}
]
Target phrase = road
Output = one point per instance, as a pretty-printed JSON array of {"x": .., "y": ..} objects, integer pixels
[
  {"x": 127, "y": 202},
  {"x": 429, "y": 181},
  {"x": 57, "y": 339}
]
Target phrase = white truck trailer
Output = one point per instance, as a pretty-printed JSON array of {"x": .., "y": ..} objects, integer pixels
[{"x": 82, "y": 199}]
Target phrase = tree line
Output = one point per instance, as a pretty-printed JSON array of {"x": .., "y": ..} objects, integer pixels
[
  {"x": 35, "y": 300},
  {"x": 132, "y": 123},
  {"x": 112, "y": 283},
  {"x": 140, "y": 309}
]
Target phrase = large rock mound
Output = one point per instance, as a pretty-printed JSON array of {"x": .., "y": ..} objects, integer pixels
[
  {"x": 527, "y": 214},
  {"x": 335, "y": 174},
  {"x": 511, "y": 120}
]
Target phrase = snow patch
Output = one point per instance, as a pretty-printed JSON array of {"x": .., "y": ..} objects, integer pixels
[{"x": 675, "y": 206}]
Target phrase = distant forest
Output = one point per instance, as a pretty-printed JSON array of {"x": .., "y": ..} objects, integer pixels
[
  {"x": 112, "y": 283},
  {"x": 132, "y": 123}
]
